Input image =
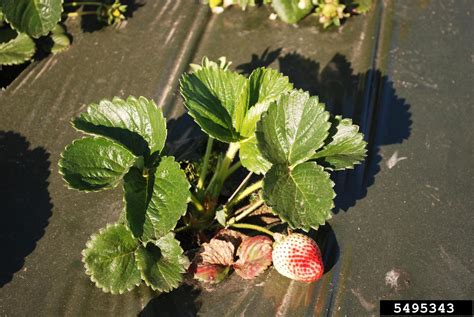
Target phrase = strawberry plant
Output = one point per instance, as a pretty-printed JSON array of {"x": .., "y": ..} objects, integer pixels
[
  {"x": 283, "y": 137},
  {"x": 22, "y": 21},
  {"x": 329, "y": 12}
]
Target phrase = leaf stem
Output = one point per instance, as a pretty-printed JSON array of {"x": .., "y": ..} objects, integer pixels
[
  {"x": 246, "y": 212},
  {"x": 220, "y": 175},
  {"x": 233, "y": 168},
  {"x": 85, "y": 3},
  {"x": 77, "y": 14},
  {"x": 183, "y": 228},
  {"x": 252, "y": 227},
  {"x": 247, "y": 191},
  {"x": 205, "y": 166},
  {"x": 197, "y": 203},
  {"x": 242, "y": 184}
]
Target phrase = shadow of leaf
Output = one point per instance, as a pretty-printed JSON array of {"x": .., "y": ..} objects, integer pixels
[{"x": 25, "y": 200}]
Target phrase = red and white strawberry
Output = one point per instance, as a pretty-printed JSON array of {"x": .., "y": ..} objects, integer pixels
[{"x": 297, "y": 257}]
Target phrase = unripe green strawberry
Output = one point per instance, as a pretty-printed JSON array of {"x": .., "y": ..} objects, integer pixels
[{"x": 298, "y": 257}]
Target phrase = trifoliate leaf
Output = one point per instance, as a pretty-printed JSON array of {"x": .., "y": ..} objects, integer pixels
[
  {"x": 138, "y": 124},
  {"x": 61, "y": 41},
  {"x": 217, "y": 100},
  {"x": 292, "y": 129},
  {"x": 17, "y": 50},
  {"x": 302, "y": 196},
  {"x": 346, "y": 147},
  {"x": 33, "y": 17},
  {"x": 162, "y": 263},
  {"x": 251, "y": 157},
  {"x": 291, "y": 11},
  {"x": 155, "y": 203},
  {"x": 92, "y": 164},
  {"x": 110, "y": 259},
  {"x": 255, "y": 255},
  {"x": 265, "y": 86}
]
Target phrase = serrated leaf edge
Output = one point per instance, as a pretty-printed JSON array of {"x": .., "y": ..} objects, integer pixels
[
  {"x": 89, "y": 272},
  {"x": 307, "y": 228},
  {"x": 140, "y": 268},
  {"x": 160, "y": 111},
  {"x": 60, "y": 169},
  {"x": 42, "y": 34},
  {"x": 354, "y": 163}
]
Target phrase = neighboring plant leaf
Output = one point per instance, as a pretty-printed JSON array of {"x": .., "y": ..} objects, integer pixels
[
  {"x": 265, "y": 86},
  {"x": 217, "y": 100},
  {"x": 210, "y": 273},
  {"x": 17, "y": 50},
  {"x": 346, "y": 147},
  {"x": 162, "y": 263},
  {"x": 255, "y": 256},
  {"x": 94, "y": 163},
  {"x": 61, "y": 41},
  {"x": 33, "y": 17},
  {"x": 251, "y": 157},
  {"x": 291, "y": 11},
  {"x": 362, "y": 6},
  {"x": 138, "y": 124},
  {"x": 110, "y": 259},
  {"x": 292, "y": 129},
  {"x": 154, "y": 204},
  {"x": 303, "y": 196}
]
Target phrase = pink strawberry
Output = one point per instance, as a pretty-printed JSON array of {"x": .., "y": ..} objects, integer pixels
[{"x": 297, "y": 256}]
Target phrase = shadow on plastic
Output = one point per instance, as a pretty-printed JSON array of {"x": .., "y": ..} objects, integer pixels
[{"x": 25, "y": 201}]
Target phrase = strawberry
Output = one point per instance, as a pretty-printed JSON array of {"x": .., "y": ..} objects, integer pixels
[{"x": 297, "y": 256}]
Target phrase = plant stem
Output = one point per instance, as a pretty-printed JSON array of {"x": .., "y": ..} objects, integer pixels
[
  {"x": 220, "y": 174},
  {"x": 242, "y": 184},
  {"x": 197, "y": 203},
  {"x": 183, "y": 228},
  {"x": 247, "y": 191},
  {"x": 252, "y": 227},
  {"x": 205, "y": 166},
  {"x": 86, "y": 3},
  {"x": 246, "y": 212},
  {"x": 233, "y": 168},
  {"x": 76, "y": 14}
]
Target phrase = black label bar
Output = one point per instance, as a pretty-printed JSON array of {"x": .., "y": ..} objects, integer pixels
[{"x": 426, "y": 307}]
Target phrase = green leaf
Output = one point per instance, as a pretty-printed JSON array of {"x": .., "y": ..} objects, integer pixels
[
  {"x": 92, "y": 164},
  {"x": 162, "y": 263},
  {"x": 17, "y": 50},
  {"x": 33, "y": 17},
  {"x": 292, "y": 129},
  {"x": 265, "y": 86},
  {"x": 60, "y": 39},
  {"x": 291, "y": 11},
  {"x": 362, "y": 6},
  {"x": 138, "y": 124},
  {"x": 217, "y": 99},
  {"x": 154, "y": 204},
  {"x": 303, "y": 196},
  {"x": 346, "y": 147},
  {"x": 251, "y": 157},
  {"x": 110, "y": 261}
]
